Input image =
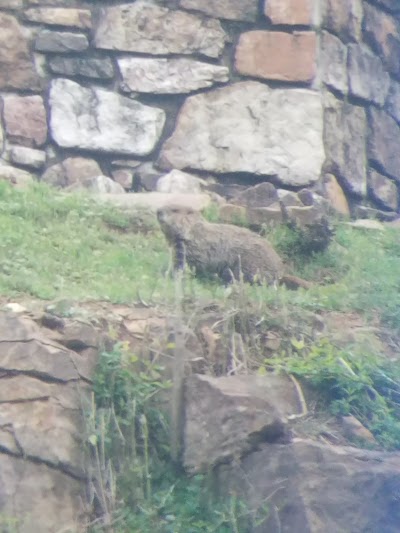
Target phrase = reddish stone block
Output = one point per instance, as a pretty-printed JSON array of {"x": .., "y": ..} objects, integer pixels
[
  {"x": 277, "y": 55},
  {"x": 25, "y": 119}
]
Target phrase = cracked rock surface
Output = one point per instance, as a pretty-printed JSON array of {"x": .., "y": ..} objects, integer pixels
[{"x": 45, "y": 382}]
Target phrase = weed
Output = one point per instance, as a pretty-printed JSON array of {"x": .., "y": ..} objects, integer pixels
[
  {"x": 362, "y": 384},
  {"x": 134, "y": 486}
]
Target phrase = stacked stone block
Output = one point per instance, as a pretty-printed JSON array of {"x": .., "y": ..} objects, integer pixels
[{"x": 302, "y": 93}]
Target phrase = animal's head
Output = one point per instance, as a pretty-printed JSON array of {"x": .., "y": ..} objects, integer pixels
[{"x": 175, "y": 221}]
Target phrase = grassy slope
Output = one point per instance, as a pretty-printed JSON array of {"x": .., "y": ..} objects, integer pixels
[{"x": 55, "y": 246}]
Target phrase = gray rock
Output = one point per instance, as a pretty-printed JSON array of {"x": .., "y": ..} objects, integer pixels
[
  {"x": 367, "y": 77},
  {"x": 312, "y": 487},
  {"x": 261, "y": 195},
  {"x": 28, "y": 157},
  {"x": 343, "y": 18},
  {"x": 333, "y": 62},
  {"x": 147, "y": 176},
  {"x": 384, "y": 190},
  {"x": 345, "y": 144},
  {"x": 225, "y": 9},
  {"x": 393, "y": 100},
  {"x": 151, "y": 29},
  {"x": 177, "y": 181},
  {"x": 75, "y": 18},
  {"x": 228, "y": 417},
  {"x": 70, "y": 171},
  {"x": 381, "y": 32},
  {"x": 17, "y": 70},
  {"x": 11, "y": 4},
  {"x": 123, "y": 176},
  {"x": 384, "y": 142},
  {"x": 169, "y": 76},
  {"x": 98, "y": 185},
  {"x": 96, "y": 119},
  {"x": 268, "y": 132},
  {"x": 287, "y": 198},
  {"x": 16, "y": 176},
  {"x": 61, "y": 42},
  {"x": 88, "y": 67}
]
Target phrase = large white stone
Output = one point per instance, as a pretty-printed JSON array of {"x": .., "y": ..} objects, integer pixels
[
  {"x": 168, "y": 76},
  {"x": 248, "y": 127},
  {"x": 151, "y": 29},
  {"x": 96, "y": 119}
]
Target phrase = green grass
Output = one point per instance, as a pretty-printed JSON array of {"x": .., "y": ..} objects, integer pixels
[{"x": 56, "y": 246}]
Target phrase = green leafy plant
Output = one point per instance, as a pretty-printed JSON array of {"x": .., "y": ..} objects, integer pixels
[
  {"x": 134, "y": 486},
  {"x": 362, "y": 384}
]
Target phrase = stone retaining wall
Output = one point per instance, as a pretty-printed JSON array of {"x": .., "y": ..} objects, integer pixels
[{"x": 301, "y": 93}]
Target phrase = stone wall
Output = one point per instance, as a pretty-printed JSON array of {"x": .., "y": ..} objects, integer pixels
[{"x": 302, "y": 93}]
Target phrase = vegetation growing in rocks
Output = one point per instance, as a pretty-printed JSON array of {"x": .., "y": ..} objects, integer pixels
[{"x": 55, "y": 246}]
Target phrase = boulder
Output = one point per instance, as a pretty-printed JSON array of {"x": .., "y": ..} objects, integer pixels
[
  {"x": 71, "y": 170},
  {"x": 96, "y": 119},
  {"x": 228, "y": 417},
  {"x": 310, "y": 487},
  {"x": 177, "y": 181},
  {"x": 267, "y": 132}
]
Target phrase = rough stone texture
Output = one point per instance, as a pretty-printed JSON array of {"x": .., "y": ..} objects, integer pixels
[
  {"x": 343, "y": 18},
  {"x": 40, "y": 497},
  {"x": 19, "y": 178},
  {"x": 345, "y": 144},
  {"x": 87, "y": 67},
  {"x": 367, "y": 77},
  {"x": 28, "y": 157},
  {"x": 25, "y": 119},
  {"x": 383, "y": 142},
  {"x": 228, "y": 416},
  {"x": 98, "y": 185},
  {"x": 384, "y": 190},
  {"x": 289, "y": 11},
  {"x": 312, "y": 487},
  {"x": 95, "y": 119},
  {"x": 123, "y": 176},
  {"x": 332, "y": 62},
  {"x": 152, "y": 29},
  {"x": 225, "y": 9},
  {"x": 41, "y": 426},
  {"x": 63, "y": 3},
  {"x": 17, "y": 70},
  {"x": 393, "y": 101},
  {"x": 11, "y": 4},
  {"x": 71, "y": 170},
  {"x": 177, "y": 181},
  {"x": 169, "y": 76},
  {"x": 77, "y": 18},
  {"x": 382, "y": 33},
  {"x": 61, "y": 42},
  {"x": 261, "y": 195},
  {"x": 335, "y": 195},
  {"x": 391, "y": 5},
  {"x": 277, "y": 55},
  {"x": 248, "y": 127},
  {"x": 256, "y": 217}
]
